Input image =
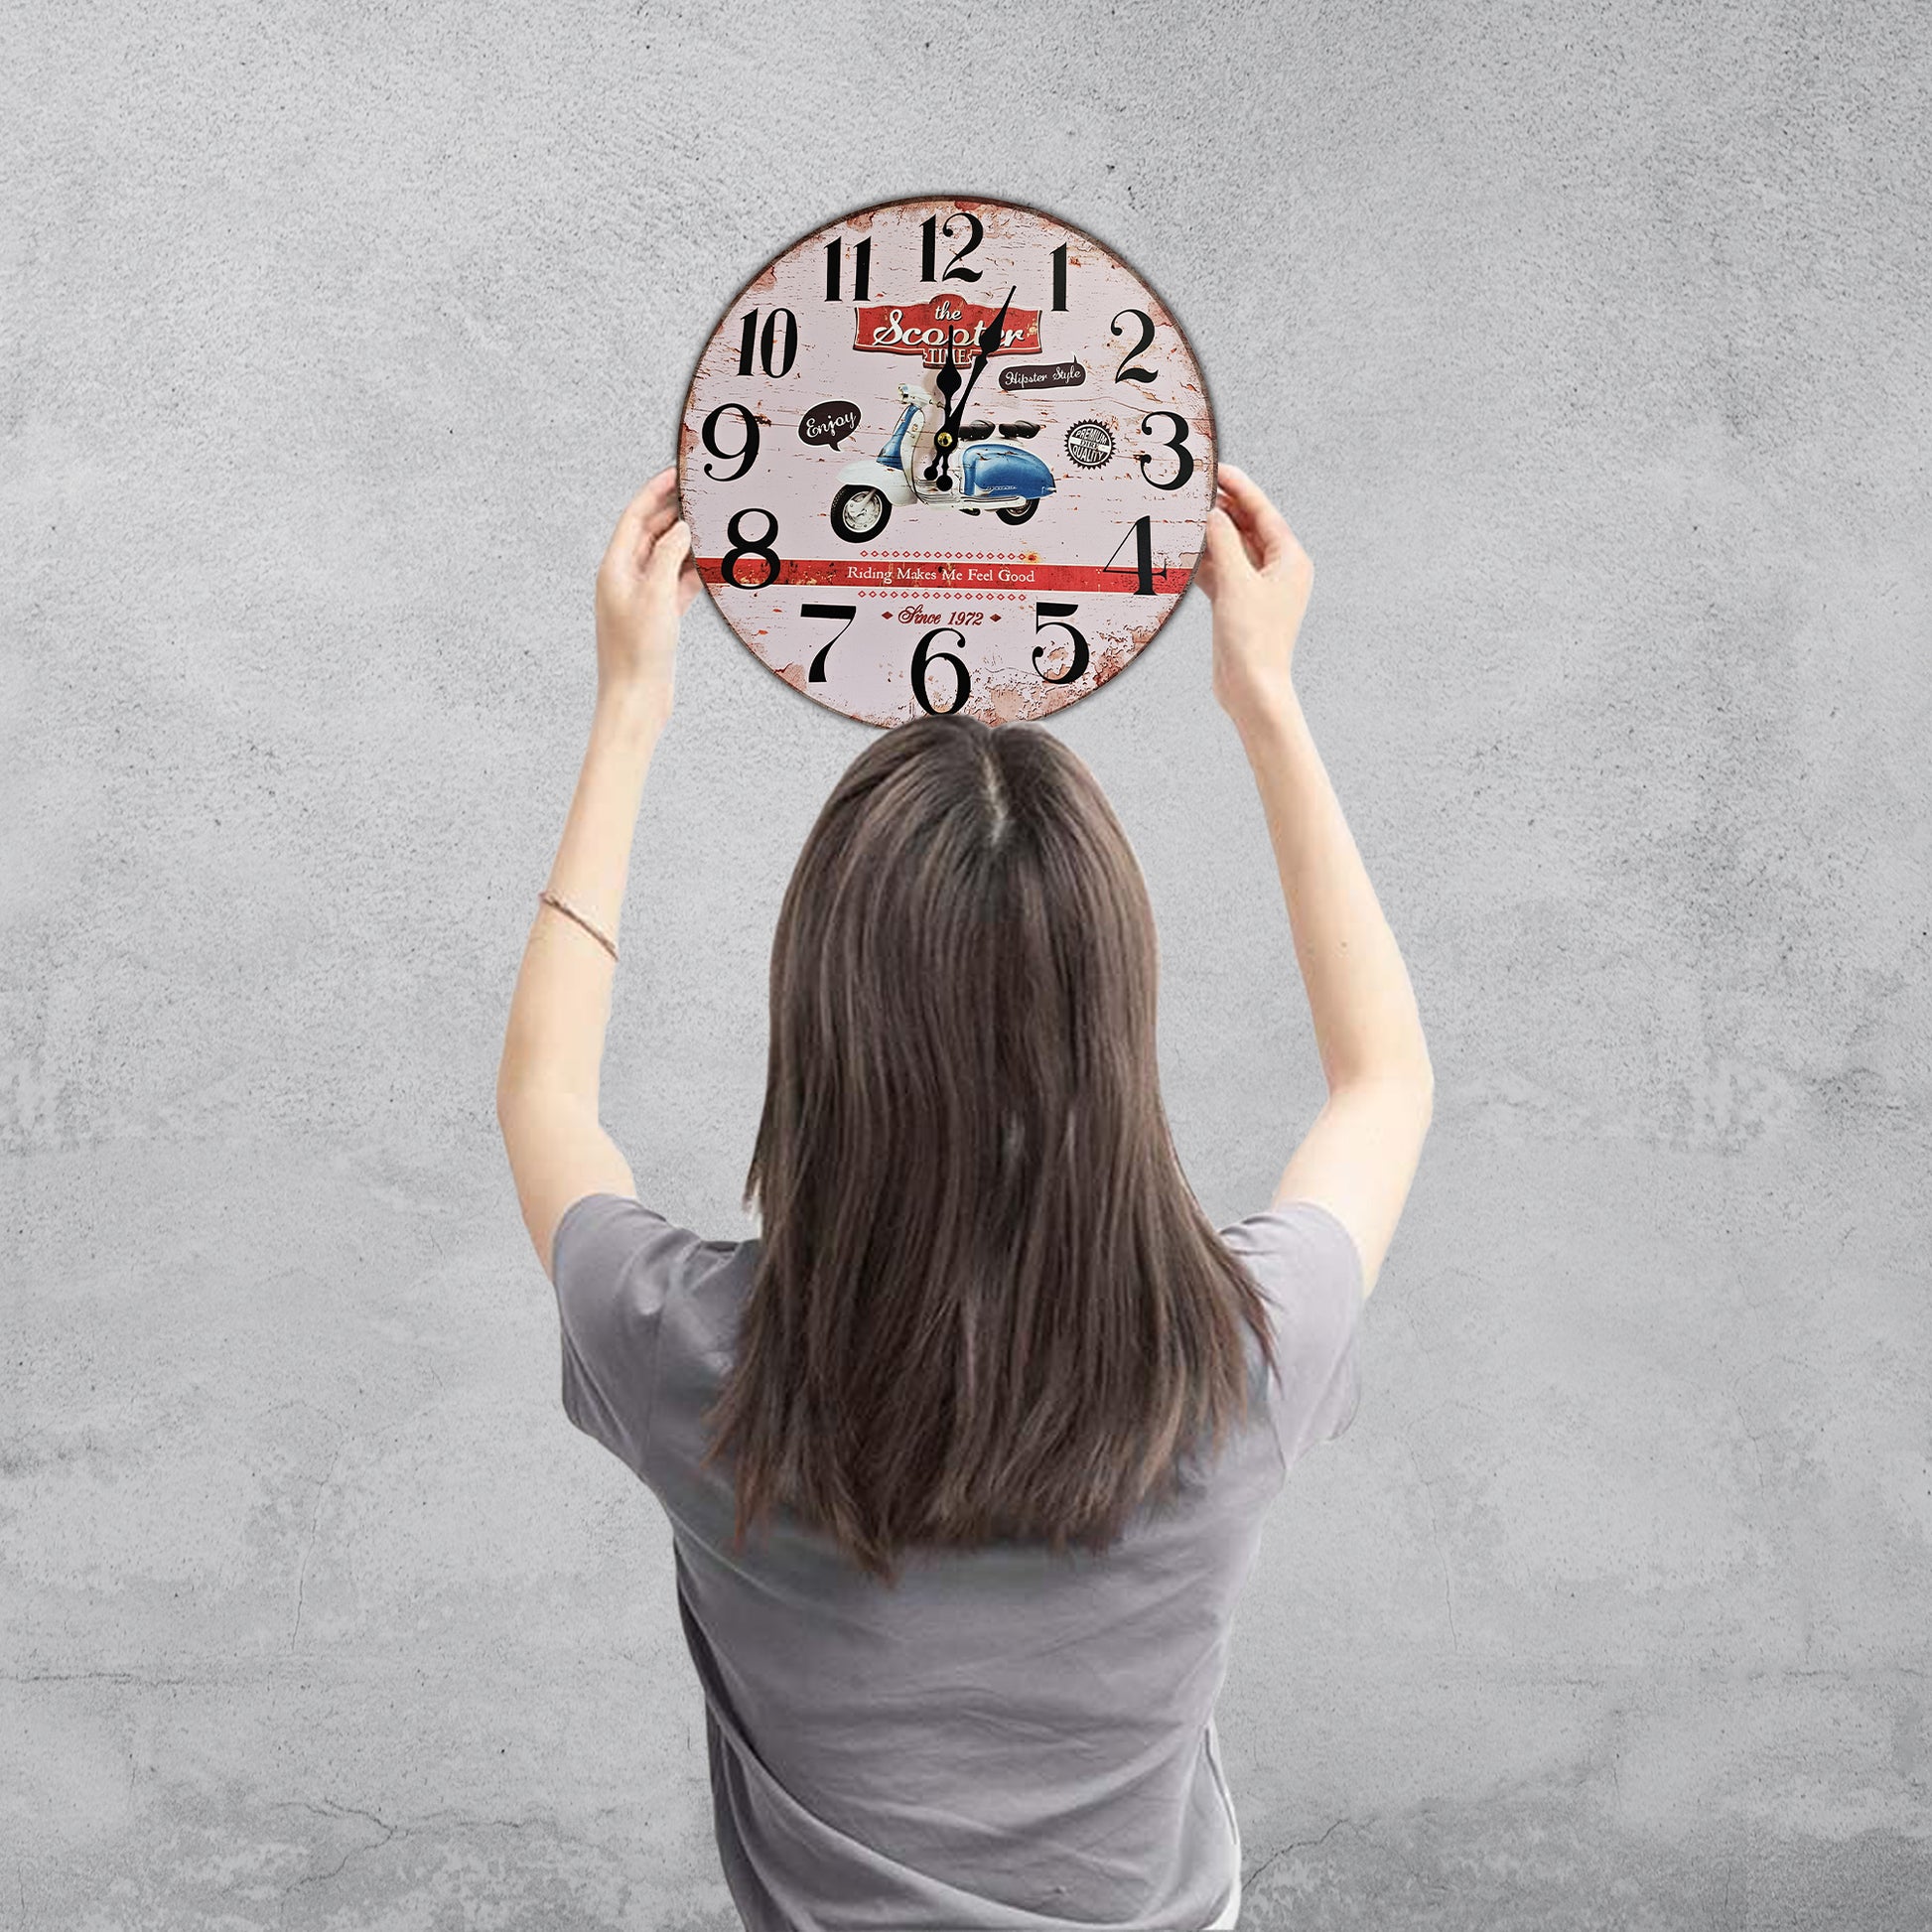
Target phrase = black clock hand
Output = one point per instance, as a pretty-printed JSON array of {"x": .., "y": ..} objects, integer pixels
[
  {"x": 948, "y": 384},
  {"x": 991, "y": 331},
  {"x": 947, "y": 379}
]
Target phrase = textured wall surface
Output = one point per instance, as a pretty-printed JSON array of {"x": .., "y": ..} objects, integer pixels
[{"x": 1588, "y": 352}]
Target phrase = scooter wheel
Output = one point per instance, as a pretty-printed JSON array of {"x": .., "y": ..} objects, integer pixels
[
  {"x": 1020, "y": 513},
  {"x": 859, "y": 512}
]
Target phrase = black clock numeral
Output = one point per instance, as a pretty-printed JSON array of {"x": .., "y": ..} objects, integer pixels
[
  {"x": 925, "y": 655},
  {"x": 1184, "y": 458},
  {"x": 745, "y": 456},
  {"x": 860, "y": 269},
  {"x": 816, "y": 675},
  {"x": 1053, "y": 616},
  {"x": 768, "y": 344},
  {"x": 1124, "y": 373},
  {"x": 1060, "y": 276},
  {"x": 741, "y": 547},
  {"x": 1142, "y": 535},
  {"x": 930, "y": 232}
]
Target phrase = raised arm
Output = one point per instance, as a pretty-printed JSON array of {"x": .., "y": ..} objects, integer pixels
[
  {"x": 1360, "y": 1156},
  {"x": 547, "y": 1080}
]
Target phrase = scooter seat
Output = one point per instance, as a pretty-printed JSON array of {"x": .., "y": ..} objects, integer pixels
[
  {"x": 975, "y": 432},
  {"x": 1021, "y": 430}
]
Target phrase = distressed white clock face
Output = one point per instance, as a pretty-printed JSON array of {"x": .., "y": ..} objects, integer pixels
[{"x": 898, "y": 527}]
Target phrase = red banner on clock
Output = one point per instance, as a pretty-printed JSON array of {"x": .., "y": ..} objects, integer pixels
[
  {"x": 918, "y": 572},
  {"x": 922, "y": 329}
]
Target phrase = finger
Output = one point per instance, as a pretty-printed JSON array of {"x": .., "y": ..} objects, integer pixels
[
  {"x": 1235, "y": 509},
  {"x": 1227, "y": 553},
  {"x": 1252, "y": 553},
  {"x": 624, "y": 539},
  {"x": 689, "y": 584},
  {"x": 658, "y": 520},
  {"x": 1269, "y": 525},
  {"x": 1248, "y": 503},
  {"x": 667, "y": 558},
  {"x": 640, "y": 505}
]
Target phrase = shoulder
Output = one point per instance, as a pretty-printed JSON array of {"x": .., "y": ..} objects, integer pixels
[
  {"x": 1299, "y": 1247},
  {"x": 1309, "y": 1272},
  {"x": 620, "y": 1270},
  {"x": 605, "y": 1243}
]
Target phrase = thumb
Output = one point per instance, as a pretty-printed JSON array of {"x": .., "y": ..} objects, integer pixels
[
  {"x": 667, "y": 557},
  {"x": 1225, "y": 550}
]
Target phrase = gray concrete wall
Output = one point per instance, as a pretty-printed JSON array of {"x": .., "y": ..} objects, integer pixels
[{"x": 1588, "y": 352}]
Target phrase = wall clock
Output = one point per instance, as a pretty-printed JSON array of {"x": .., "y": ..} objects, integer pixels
[{"x": 947, "y": 455}]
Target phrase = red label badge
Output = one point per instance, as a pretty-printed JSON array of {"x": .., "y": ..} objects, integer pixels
[{"x": 922, "y": 330}]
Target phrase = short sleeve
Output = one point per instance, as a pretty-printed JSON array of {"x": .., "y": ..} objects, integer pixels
[
  {"x": 613, "y": 1264},
  {"x": 1310, "y": 1273}
]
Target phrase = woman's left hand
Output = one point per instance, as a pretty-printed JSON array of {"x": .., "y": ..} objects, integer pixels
[{"x": 645, "y": 585}]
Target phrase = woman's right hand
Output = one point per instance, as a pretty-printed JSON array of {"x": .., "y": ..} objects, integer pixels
[{"x": 1257, "y": 578}]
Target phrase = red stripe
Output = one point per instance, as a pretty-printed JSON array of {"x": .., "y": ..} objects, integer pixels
[{"x": 963, "y": 574}]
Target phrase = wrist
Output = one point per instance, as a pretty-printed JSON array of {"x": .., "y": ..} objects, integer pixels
[
  {"x": 632, "y": 708},
  {"x": 1263, "y": 718}
]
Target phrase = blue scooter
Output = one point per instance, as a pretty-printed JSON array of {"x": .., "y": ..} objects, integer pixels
[{"x": 992, "y": 475}]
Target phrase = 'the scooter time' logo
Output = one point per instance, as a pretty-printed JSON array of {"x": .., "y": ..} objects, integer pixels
[{"x": 924, "y": 330}]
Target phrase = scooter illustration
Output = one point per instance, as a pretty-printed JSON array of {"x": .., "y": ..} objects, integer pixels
[{"x": 992, "y": 475}]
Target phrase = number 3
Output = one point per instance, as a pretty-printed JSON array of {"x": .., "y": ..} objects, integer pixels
[{"x": 1184, "y": 458}]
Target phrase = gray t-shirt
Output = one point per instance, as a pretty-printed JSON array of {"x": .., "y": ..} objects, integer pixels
[{"x": 1008, "y": 1740}]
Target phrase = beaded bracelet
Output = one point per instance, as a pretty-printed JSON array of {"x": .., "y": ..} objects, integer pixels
[{"x": 550, "y": 898}]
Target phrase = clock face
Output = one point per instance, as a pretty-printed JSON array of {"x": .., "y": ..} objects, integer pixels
[{"x": 947, "y": 455}]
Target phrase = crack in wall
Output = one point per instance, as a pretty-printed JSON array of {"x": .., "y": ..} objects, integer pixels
[
  {"x": 1435, "y": 1535},
  {"x": 1297, "y": 1845},
  {"x": 309, "y": 1541}
]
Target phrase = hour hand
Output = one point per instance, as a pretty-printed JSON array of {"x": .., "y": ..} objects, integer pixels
[{"x": 948, "y": 380}]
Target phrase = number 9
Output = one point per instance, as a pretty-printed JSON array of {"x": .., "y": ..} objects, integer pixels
[{"x": 747, "y": 450}]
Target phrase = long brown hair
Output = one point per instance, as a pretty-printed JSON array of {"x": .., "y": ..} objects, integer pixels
[{"x": 986, "y": 1302}]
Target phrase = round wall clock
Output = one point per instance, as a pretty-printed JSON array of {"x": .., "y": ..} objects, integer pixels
[{"x": 947, "y": 455}]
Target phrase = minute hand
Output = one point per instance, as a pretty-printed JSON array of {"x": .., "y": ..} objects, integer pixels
[{"x": 992, "y": 330}]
